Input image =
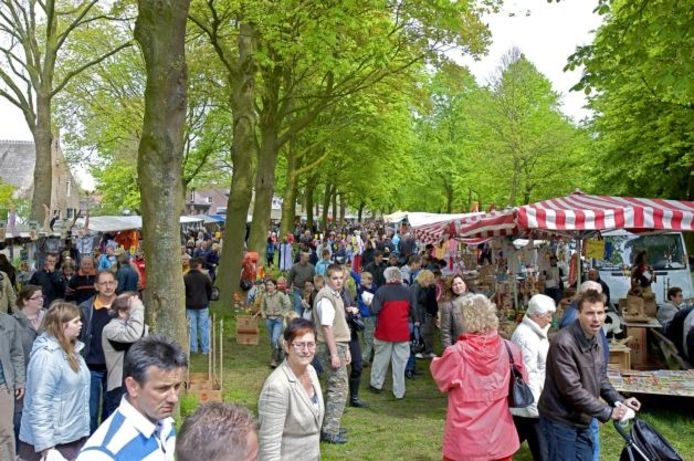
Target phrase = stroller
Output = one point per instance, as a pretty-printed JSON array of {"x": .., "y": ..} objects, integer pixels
[{"x": 644, "y": 443}]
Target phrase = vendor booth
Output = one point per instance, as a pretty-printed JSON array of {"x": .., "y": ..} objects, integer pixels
[{"x": 571, "y": 224}]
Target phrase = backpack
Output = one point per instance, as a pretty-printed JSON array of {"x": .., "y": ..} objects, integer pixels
[{"x": 674, "y": 329}]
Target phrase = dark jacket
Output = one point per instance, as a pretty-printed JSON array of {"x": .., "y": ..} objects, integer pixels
[
  {"x": 377, "y": 271},
  {"x": 198, "y": 289},
  {"x": 575, "y": 380},
  {"x": 52, "y": 285},
  {"x": 127, "y": 279},
  {"x": 87, "y": 332},
  {"x": 80, "y": 288}
]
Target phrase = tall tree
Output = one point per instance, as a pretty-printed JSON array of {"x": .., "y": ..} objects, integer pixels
[
  {"x": 160, "y": 31},
  {"x": 639, "y": 74},
  {"x": 314, "y": 57},
  {"x": 33, "y": 34},
  {"x": 233, "y": 37}
]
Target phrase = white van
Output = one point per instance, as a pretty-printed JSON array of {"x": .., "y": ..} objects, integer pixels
[{"x": 666, "y": 254}]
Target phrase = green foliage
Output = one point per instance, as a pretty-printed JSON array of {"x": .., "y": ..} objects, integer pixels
[
  {"x": 640, "y": 78},
  {"x": 117, "y": 186},
  {"x": 507, "y": 143}
]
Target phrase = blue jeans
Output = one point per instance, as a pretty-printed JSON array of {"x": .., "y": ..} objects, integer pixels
[
  {"x": 595, "y": 436},
  {"x": 199, "y": 323},
  {"x": 274, "y": 330},
  {"x": 298, "y": 307},
  {"x": 97, "y": 390},
  {"x": 567, "y": 443}
]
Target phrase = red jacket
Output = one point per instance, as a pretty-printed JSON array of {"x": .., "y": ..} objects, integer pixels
[
  {"x": 395, "y": 309},
  {"x": 475, "y": 372}
]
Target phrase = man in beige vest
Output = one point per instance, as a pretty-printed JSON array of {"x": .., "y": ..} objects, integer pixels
[{"x": 333, "y": 351}]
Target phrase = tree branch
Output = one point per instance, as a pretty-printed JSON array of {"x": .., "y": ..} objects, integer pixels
[{"x": 91, "y": 63}]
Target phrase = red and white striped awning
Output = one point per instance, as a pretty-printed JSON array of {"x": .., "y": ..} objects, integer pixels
[
  {"x": 580, "y": 211},
  {"x": 576, "y": 212}
]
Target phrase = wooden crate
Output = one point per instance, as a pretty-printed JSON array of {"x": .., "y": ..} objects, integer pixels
[
  {"x": 639, "y": 346},
  {"x": 248, "y": 339},
  {"x": 621, "y": 357},
  {"x": 247, "y": 331}
]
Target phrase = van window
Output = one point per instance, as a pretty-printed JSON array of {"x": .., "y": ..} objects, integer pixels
[{"x": 664, "y": 251}]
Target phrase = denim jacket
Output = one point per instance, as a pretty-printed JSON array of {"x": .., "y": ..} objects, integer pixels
[{"x": 56, "y": 405}]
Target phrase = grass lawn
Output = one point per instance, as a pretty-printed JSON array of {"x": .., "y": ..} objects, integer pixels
[{"x": 412, "y": 429}]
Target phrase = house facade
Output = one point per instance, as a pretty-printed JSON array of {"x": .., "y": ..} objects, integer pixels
[{"x": 17, "y": 160}]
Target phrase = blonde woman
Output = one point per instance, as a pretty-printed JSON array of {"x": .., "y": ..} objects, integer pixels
[
  {"x": 475, "y": 372},
  {"x": 56, "y": 407}
]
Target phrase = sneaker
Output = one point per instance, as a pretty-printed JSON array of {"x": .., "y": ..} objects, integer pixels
[
  {"x": 419, "y": 355},
  {"x": 409, "y": 375},
  {"x": 431, "y": 355},
  {"x": 333, "y": 438}
]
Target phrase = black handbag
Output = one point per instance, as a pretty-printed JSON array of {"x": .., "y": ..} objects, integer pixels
[
  {"x": 519, "y": 393},
  {"x": 355, "y": 322}
]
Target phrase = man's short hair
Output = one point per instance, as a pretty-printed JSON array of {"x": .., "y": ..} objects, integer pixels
[
  {"x": 195, "y": 262},
  {"x": 672, "y": 292},
  {"x": 590, "y": 297},
  {"x": 334, "y": 267},
  {"x": 378, "y": 253},
  {"x": 101, "y": 273},
  {"x": 414, "y": 259},
  {"x": 153, "y": 351},
  {"x": 216, "y": 432}
]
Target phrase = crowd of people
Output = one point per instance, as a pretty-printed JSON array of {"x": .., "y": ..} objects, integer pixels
[{"x": 82, "y": 378}]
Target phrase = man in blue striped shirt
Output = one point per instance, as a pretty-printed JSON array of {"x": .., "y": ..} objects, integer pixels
[{"x": 142, "y": 427}]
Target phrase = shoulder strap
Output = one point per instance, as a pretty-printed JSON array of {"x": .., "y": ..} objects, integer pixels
[{"x": 510, "y": 355}]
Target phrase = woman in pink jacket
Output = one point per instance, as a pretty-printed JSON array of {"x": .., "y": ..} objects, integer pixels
[{"x": 475, "y": 372}]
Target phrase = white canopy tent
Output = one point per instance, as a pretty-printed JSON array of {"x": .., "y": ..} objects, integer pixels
[
  {"x": 123, "y": 223},
  {"x": 421, "y": 218}
]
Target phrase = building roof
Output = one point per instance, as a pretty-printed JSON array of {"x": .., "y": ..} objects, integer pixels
[{"x": 17, "y": 159}]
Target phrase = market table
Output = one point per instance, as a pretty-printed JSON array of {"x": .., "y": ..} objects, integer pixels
[{"x": 658, "y": 382}]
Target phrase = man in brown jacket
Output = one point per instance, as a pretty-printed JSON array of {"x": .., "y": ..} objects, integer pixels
[{"x": 575, "y": 381}]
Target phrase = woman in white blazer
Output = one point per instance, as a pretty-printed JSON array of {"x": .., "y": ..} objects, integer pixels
[
  {"x": 531, "y": 336},
  {"x": 291, "y": 407}
]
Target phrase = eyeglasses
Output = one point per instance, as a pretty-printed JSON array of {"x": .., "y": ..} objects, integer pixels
[{"x": 300, "y": 346}]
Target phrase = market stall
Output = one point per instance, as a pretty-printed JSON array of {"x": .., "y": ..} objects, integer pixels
[{"x": 578, "y": 216}]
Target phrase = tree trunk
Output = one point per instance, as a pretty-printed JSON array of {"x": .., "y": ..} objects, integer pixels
[
  {"x": 334, "y": 199},
  {"x": 343, "y": 207},
  {"x": 43, "y": 169},
  {"x": 326, "y": 204},
  {"x": 289, "y": 199},
  {"x": 160, "y": 29},
  {"x": 449, "y": 198},
  {"x": 310, "y": 188},
  {"x": 242, "y": 153},
  {"x": 360, "y": 210},
  {"x": 264, "y": 187}
]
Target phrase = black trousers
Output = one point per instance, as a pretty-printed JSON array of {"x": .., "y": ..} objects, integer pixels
[
  {"x": 355, "y": 352},
  {"x": 529, "y": 429}
]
